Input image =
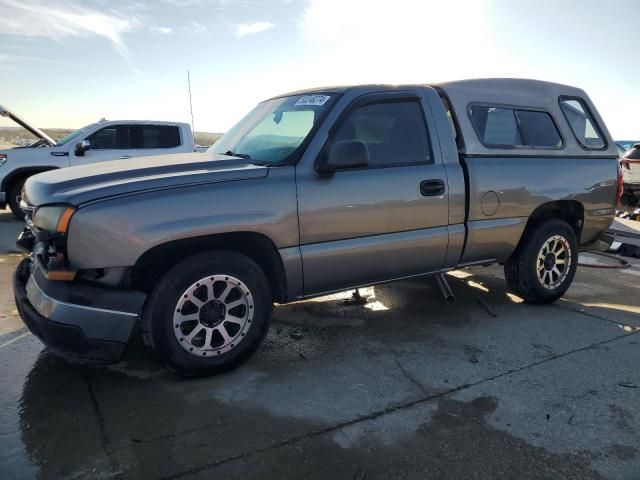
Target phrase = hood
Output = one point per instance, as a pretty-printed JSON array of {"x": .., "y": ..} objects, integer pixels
[
  {"x": 23, "y": 123},
  {"x": 78, "y": 185}
]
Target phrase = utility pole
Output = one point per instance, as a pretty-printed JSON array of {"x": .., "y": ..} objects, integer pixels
[{"x": 193, "y": 128}]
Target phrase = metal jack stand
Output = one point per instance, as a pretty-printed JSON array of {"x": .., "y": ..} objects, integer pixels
[
  {"x": 356, "y": 299},
  {"x": 445, "y": 288}
]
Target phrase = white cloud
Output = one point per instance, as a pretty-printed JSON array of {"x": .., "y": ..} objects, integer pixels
[
  {"x": 244, "y": 29},
  {"x": 6, "y": 58},
  {"x": 163, "y": 30},
  {"x": 400, "y": 42},
  {"x": 197, "y": 28},
  {"x": 187, "y": 3},
  {"x": 141, "y": 6},
  {"x": 67, "y": 19}
]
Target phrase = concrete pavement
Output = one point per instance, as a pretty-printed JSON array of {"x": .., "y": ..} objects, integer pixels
[
  {"x": 9, "y": 258},
  {"x": 404, "y": 387}
]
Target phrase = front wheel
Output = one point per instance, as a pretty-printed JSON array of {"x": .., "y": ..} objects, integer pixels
[
  {"x": 544, "y": 264},
  {"x": 208, "y": 314},
  {"x": 15, "y": 192}
]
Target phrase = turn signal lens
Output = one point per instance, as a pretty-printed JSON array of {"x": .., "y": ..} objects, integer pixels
[
  {"x": 60, "y": 275},
  {"x": 65, "y": 218},
  {"x": 53, "y": 218}
]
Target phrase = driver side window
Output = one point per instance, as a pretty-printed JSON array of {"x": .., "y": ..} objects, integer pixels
[
  {"x": 395, "y": 132},
  {"x": 114, "y": 137}
]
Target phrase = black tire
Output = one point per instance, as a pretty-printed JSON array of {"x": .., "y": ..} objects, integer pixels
[
  {"x": 13, "y": 192},
  {"x": 521, "y": 272},
  {"x": 158, "y": 315}
]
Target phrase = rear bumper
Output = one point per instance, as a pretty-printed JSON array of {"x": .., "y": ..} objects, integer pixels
[{"x": 78, "y": 320}]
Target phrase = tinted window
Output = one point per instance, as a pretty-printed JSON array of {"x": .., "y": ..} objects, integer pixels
[
  {"x": 508, "y": 127},
  {"x": 395, "y": 132},
  {"x": 496, "y": 126},
  {"x": 156, "y": 136},
  {"x": 110, "y": 138},
  {"x": 122, "y": 137},
  {"x": 537, "y": 129},
  {"x": 582, "y": 123}
]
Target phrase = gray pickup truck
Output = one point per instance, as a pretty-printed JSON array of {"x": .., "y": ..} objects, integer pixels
[{"x": 314, "y": 192}]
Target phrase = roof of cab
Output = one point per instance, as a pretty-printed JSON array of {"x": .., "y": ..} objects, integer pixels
[
  {"x": 516, "y": 92},
  {"x": 144, "y": 122}
]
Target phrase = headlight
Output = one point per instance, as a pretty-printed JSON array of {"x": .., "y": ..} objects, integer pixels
[
  {"x": 53, "y": 218},
  {"x": 3, "y": 159}
]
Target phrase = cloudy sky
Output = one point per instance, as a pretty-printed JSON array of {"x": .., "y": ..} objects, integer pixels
[{"x": 67, "y": 63}]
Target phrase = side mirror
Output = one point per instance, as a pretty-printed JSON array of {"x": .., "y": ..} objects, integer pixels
[
  {"x": 344, "y": 155},
  {"x": 82, "y": 147}
]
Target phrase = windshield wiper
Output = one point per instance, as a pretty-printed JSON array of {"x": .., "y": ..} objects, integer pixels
[
  {"x": 245, "y": 156},
  {"x": 229, "y": 153}
]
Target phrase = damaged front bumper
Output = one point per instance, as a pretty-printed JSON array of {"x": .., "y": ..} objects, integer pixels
[{"x": 77, "y": 319}]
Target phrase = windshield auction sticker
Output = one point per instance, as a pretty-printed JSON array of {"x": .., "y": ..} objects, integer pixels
[{"x": 312, "y": 100}]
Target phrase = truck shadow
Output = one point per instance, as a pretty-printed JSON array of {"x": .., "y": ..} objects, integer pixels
[
  {"x": 406, "y": 313},
  {"x": 75, "y": 422},
  {"x": 322, "y": 365}
]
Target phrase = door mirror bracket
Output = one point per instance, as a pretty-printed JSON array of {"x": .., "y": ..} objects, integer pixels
[
  {"x": 345, "y": 155},
  {"x": 82, "y": 147}
]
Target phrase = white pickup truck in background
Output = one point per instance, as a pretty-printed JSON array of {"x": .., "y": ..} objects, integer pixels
[{"x": 98, "y": 142}]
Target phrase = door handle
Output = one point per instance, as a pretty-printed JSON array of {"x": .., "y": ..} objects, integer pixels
[
  {"x": 432, "y": 188},
  {"x": 123, "y": 157}
]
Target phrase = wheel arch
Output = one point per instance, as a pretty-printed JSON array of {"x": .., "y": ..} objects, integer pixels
[
  {"x": 23, "y": 172},
  {"x": 156, "y": 261},
  {"x": 571, "y": 211}
]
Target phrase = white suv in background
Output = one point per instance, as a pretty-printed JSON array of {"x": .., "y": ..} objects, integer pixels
[{"x": 100, "y": 141}]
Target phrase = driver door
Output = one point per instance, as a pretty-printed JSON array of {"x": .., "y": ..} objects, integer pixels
[
  {"x": 111, "y": 142},
  {"x": 383, "y": 222}
]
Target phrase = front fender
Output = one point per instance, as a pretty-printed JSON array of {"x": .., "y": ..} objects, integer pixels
[{"x": 116, "y": 232}]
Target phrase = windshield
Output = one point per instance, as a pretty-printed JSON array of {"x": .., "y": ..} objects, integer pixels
[
  {"x": 274, "y": 129},
  {"x": 75, "y": 134}
]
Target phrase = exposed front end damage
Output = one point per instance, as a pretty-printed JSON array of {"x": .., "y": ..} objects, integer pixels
[{"x": 73, "y": 316}]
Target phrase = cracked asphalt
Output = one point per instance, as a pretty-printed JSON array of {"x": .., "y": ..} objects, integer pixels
[{"x": 405, "y": 386}]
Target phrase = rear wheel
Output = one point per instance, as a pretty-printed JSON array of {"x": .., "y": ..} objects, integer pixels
[
  {"x": 14, "y": 193},
  {"x": 544, "y": 264},
  {"x": 208, "y": 314}
]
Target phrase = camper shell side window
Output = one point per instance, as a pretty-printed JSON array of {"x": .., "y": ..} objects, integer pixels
[
  {"x": 513, "y": 127},
  {"x": 582, "y": 123}
]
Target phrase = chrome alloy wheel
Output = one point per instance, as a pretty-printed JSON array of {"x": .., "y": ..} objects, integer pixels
[
  {"x": 213, "y": 315},
  {"x": 553, "y": 262}
]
